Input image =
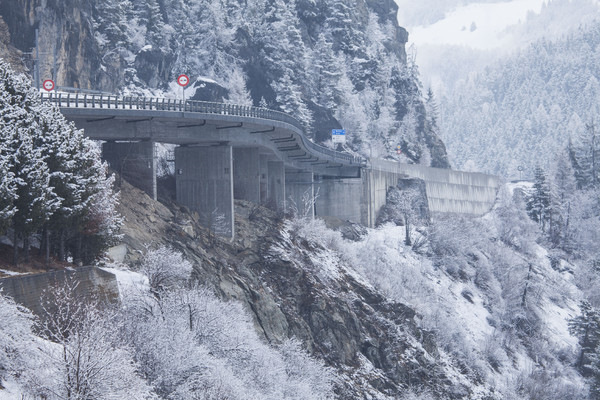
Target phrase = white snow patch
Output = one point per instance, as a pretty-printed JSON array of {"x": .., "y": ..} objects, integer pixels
[
  {"x": 129, "y": 281},
  {"x": 489, "y": 21},
  {"x": 12, "y": 273}
]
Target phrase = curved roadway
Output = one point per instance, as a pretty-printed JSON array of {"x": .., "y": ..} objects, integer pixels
[{"x": 203, "y": 123}]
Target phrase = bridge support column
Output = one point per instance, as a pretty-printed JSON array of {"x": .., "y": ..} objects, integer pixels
[
  {"x": 276, "y": 187},
  {"x": 299, "y": 192},
  {"x": 264, "y": 178},
  {"x": 135, "y": 162},
  {"x": 204, "y": 183},
  {"x": 340, "y": 198},
  {"x": 246, "y": 174}
]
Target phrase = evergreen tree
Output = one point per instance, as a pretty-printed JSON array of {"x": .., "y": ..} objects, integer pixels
[
  {"x": 341, "y": 22},
  {"x": 586, "y": 154},
  {"x": 113, "y": 19},
  {"x": 325, "y": 74},
  {"x": 431, "y": 107},
  {"x": 33, "y": 200},
  {"x": 150, "y": 16},
  {"x": 290, "y": 100},
  {"x": 563, "y": 187},
  {"x": 56, "y": 179},
  {"x": 539, "y": 200},
  {"x": 7, "y": 188},
  {"x": 586, "y": 327}
]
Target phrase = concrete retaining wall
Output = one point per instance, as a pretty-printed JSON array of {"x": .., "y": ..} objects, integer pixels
[
  {"x": 28, "y": 290},
  {"x": 448, "y": 191},
  {"x": 341, "y": 198}
]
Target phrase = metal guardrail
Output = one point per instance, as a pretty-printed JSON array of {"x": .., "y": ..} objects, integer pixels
[{"x": 71, "y": 100}]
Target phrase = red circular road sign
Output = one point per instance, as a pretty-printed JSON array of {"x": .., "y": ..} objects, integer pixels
[
  {"x": 48, "y": 84},
  {"x": 183, "y": 80}
]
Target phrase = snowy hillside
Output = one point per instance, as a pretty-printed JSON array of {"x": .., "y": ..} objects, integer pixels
[{"x": 513, "y": 79}]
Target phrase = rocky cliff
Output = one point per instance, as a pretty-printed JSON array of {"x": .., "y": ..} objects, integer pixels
[
  {"x": 373, "y": 343},
  {"x": 331, "y": 63}
]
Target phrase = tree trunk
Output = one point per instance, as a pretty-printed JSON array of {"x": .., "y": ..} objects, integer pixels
[
  {"x": 78, "y": 258},
  {"x": 43, "y": 241},
  {"x": 407, "y": 241},
  {"x": 26, "y": 247},
  {"x": 524, "y": 297},
  {"x": 15, "y": 247},
  {"x": 61, "y": 247},
  {"x": 47, "y": 248}
]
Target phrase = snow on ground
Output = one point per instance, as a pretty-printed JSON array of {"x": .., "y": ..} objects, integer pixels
[
  {"x": 128, "y": 281},
  {"x": 11, "y": 273},
  {"x": 11, "y": 391}
]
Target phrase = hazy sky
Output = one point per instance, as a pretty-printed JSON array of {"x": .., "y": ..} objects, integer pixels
[{"x": 477, "y": 25}]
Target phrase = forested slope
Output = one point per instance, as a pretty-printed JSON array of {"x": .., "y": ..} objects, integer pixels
[{"x": 524, "y": 109}]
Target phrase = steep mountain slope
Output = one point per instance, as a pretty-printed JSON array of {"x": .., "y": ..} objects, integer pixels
[
  {"x": 296, "y": 287},
  {"x": 460, "y": 315},
  {"x": 511, "y": 84},
  {"x": 330, "y": 63},
  {"x": 523, "y": 110}
]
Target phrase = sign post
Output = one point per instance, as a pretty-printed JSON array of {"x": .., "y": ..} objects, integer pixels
[
  {"x": 183, "y": 80},
  {"x": 48, "y": 85},
  {"x": 338, "y": 136}
]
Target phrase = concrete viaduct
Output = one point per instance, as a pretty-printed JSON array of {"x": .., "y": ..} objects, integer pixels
[{"x": 225, "y": 152}]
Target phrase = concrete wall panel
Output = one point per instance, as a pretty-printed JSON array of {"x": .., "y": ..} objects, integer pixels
[
  {"x": 341, "y": 198},
  {"x": 299, "y": 189},
  {"x": 276, "y": 187},
  {"x": 246, "y": 174},
  {"x": 28, "y": 290},
  {"x": 204, "y": 183}
]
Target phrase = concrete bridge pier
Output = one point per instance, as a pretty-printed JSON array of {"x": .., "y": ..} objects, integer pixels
[
  {"x": 276, "y": 185},
  {"x": 134, "y": 161},
  {"x": 264, "y": 177},
  {"x": 341, "y": 198},
  {"x": 204, "y": 183},
  {"x": 300, "y": 192},
  {"x": 246, "y": 174}
]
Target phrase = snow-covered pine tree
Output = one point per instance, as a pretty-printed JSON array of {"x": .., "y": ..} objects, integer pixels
[
  {"x": 289, "y": 96},
  {"x": 7, "y": 188},
  {"x": 113, "y": 21},
  {"x": 58, "y": 179},
  {"x": 99, "y": 223},
  {"x": 586, "y": 327},
  {"x": 586, "y": 156},
  {"x": 326, "y": 69},
  {"x": 33, "y": 198},
  {"x": 340, "y": 21},
  {"x": 563, "y": 194},
  {"x": 539, "y": 200},
  {"x": 151, "y": 18}
]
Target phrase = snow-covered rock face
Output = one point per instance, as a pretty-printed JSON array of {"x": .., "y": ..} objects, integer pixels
[
  {"x": 329, "y": 63},
  {"x": 460, "y": 313},
  {"x": 294, "y": 280}
]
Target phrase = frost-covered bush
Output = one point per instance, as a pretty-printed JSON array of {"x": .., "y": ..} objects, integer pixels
[
  {"x": 192, "y": 345},
  {"x": 16, "y": 338},
  {"x": 83, "y": 356},
  {"x": 315, "y": 232},
  {"x": 165, "y": 268}
]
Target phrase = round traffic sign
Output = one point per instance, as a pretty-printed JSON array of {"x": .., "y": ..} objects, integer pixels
[
  {"x": 48, "y": 84},
  {"x": 183, "y": 80}
]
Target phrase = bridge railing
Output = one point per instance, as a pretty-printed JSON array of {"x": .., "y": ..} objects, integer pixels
[{"x": 76, "y": 100}]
